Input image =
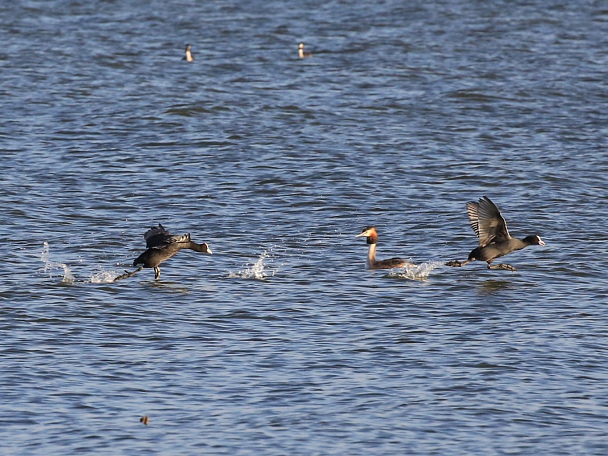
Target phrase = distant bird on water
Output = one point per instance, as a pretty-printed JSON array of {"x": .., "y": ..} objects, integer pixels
[
  {"x": 301, "y": 53},
  {"x": 189, "y": 57},
  {"x": 162, "y": 245},
  {"x": 494, "y": 238},
  {"x": 371, "y": 262}
]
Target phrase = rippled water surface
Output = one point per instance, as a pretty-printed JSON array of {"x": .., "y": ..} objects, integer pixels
[{"x": 281, "y": 342}]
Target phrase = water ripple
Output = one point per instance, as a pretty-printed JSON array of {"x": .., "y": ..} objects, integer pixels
[{"x": 282, "y": 342}]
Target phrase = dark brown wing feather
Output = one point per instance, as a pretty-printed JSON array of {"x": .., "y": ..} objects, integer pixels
[
  {"x": 487, "y": 222},
  {"x": 158, "y": 237},
  {"x": 491, "y": 225},
  {"x": 472, "y": 208}
]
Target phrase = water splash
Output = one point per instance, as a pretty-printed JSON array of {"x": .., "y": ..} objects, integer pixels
[
  {"x": 418, "y": 272},
  {"x": 49, "y": 265},
  {"x": 101, "y": 276},
  {"x": 257, "y": 271}
]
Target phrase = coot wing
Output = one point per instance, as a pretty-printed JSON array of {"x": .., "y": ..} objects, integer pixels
[
  {"x": 491, "y": 226},
  {"x": 157, "y": 237},
  {"x": 472, "y": 210}
]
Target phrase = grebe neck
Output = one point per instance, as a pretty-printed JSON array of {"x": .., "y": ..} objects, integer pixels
[{"x": 371, "y": 255}]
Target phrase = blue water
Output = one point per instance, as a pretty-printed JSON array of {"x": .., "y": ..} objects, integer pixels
[{"x": 281, "y": 342}]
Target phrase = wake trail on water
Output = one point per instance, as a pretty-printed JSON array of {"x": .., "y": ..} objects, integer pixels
[
  {"x": 418, "y": 272},
  {"x": 259, "y": 270},
  {"x": 101, "y": 276}
]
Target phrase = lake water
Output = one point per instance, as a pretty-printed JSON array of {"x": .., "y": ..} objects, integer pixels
[{"x": 282, "y": 342}]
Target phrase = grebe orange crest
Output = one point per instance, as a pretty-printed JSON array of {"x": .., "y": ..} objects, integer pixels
[
  {"x": 301, "y": 52},
  {"x": 189, "y": 57},
  {"x": 494, "y": 238},
  {"x": 162, "y": 245},
  {"x": 371, "y": 263}
]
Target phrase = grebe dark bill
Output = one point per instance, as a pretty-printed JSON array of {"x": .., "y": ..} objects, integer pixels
[
  {"x": 189, "y": 57},
  {"x": 162, "y": 245},
  {"x": 301, "y": 52},
  {"x": 371, "y": 263},
  {"x": 494, "y": 238}
]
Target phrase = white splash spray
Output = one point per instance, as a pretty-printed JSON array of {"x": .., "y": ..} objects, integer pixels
[
  {"x": 49, "y": 265},
  {"x": 258, "y": 271},
  {"x": 418, "y": 272},
  {"x": 101, "y": 276}
]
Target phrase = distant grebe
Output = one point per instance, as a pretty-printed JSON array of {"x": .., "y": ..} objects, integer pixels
[
  {"x": 189, "y": 57},
  {"x": 494, "y": 238},
  {"x": 162, "y": 245},
  {"x": 301, "y": 52},
  {"x": 371, "y": 263}
]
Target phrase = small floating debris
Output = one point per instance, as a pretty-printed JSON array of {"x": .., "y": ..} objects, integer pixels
[{"x": 144, "y": 419}]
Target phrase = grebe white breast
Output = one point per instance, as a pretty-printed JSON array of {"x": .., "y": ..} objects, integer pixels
[
  {"x": 301, "y": 52},
  {"x": 371, "y": 262},
  {"x": 189, "y": 57}
]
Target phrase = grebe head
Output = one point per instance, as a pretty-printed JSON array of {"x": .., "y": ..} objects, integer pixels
[
  {"x": 301, "y": 46},
  {"x": 367, "y": 231},
  {"x": 370, "y": 233}
]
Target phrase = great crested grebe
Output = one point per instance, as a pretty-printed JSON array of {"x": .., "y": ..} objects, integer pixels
[
  {"x": 162, "y": 245},
  {"x": 371, "y": 263},
  {"x": 189, "y": 57},
  {"x": 494, "y": 238},
  {"x": 301, "y": 52}
]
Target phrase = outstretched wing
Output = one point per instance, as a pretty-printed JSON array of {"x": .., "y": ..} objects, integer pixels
[
  {"x": 486, "y": 221},
  {"x": 472, "y": 209},
  {"x": 158, "y": 237}
]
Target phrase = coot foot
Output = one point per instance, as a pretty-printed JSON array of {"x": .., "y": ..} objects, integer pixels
[
  {"x": 456, "y": 263},
  {"x": 508, "y": 267}
]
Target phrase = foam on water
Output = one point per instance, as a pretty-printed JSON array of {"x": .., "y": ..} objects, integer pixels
[
  {"x": 418, "y": 272},
  {"x": 258, "y": 271}
]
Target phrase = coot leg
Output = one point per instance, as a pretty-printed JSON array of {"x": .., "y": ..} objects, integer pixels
[{"x": 127, "y": 274}]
